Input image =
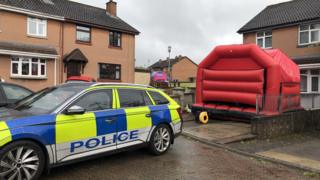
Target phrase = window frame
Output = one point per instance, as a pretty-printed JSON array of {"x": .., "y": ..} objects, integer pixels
[
  {"x": 37, "y": 21},
  {"x": 264, "y": 39},
  {"x": 19, "y": 61},
  {"x": 305, "y": 75},
  {"x": 85, "y": 31},
  {"x": 111, "y": 43},
  {"x": 309, "y": 81},
  {"x": 309, "y": 30},
  {"x": 115, "y": 70}
]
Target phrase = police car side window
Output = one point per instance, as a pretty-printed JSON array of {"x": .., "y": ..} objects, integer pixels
[
  {"x": 96, "y": 100},
  {"x": 133, "y": 98},
  {"x": 158, "y": 98},
  {"x": 147, "y": 98}
]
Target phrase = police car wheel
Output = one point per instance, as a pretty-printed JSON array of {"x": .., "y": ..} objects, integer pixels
[
  {"x": 160, "y": 140},
  {"x": 21, "y": 160}
]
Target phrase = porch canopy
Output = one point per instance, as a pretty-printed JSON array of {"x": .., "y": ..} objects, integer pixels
[
  {"x": 22, "y": 49},
  {"x": 307, "y": 59},
  {"x": 76, "y": 55}
]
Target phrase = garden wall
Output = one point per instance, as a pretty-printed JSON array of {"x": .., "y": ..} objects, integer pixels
[{"x": 285, "y": 124}]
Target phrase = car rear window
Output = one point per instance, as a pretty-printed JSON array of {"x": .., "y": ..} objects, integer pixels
[
  {"x": 15, "y": 92},
  {"x": 133, "y": 98},
  {"x": 158, "y": 98}
]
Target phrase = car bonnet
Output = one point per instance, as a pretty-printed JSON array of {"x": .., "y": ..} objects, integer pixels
[{"x": 7, "y": 114}]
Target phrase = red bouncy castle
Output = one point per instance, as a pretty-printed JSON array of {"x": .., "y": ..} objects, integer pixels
[{"x": 245, "y": 81}]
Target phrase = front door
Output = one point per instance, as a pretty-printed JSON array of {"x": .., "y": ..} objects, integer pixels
[
  {"x": 90, "y": 133},
  {"x": 74, "y": 68}
]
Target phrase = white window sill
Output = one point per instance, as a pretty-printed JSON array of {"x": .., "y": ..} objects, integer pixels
[
  {"x": 310, "y": 93},
  {"x": 28, "y": 77},
  {"x": 309, "y": 44},
  {"x": 267, "y": 48},
  {"x": 37, "y": 36}
]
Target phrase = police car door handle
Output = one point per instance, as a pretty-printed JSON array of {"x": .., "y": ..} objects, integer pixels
[
  {"x": 148, "y": 115},
  {"x": 109, "y": 121}
]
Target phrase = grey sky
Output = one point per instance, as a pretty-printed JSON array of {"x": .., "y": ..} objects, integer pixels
[{"x": 192, "y": 27}]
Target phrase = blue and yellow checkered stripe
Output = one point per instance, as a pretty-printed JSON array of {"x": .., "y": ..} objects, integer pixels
[
  {"x": 5, "y": 133},
  {"x": 92, "y": 124},
  {"x": 56, "y": 129},
  {"x": 50, "y": 129},
  {"x": 40, "y": 128}
]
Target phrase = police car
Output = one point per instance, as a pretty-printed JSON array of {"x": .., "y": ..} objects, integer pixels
[{"x": 75, "y": 121}]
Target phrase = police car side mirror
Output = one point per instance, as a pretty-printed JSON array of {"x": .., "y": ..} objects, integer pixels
[{"x": 75, "y": 110}]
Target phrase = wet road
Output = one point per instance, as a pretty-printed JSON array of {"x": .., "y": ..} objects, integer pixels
[{"x": 187, "y": 159}]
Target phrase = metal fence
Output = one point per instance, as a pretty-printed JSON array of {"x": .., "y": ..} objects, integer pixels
[{"x": 277, "y": 104}]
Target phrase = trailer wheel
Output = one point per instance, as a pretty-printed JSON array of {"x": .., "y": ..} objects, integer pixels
[{"x": 203, "y": 117}]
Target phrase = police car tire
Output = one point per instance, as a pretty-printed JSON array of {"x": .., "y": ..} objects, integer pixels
[
  {"x": 30, "y": 145},
  {"x": 152, "y": 148}
]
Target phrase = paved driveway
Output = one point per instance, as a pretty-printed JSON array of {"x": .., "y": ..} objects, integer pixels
[{"x": 187, "y": 159}]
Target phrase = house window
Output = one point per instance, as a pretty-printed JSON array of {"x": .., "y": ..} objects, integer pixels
[
  {"x": 114, "y": 39},
  {"x": 264, "y": 39},
  {"x": 309, "y": 34},
  {"x": 304, "y": 81},
  {"x": 28, "y": 67},
  {"x": 310, "y": 80},
  {"x": 315, "y": 80},
  {"x": 110, "y": 71},
  {"x": 37, "y": 27},
  {"x": 83, "y": 34}
]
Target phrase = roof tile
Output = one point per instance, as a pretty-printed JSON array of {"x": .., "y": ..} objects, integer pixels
[
  {"x": 284, "y": 14},
  {"x": 73, "y": 11}
]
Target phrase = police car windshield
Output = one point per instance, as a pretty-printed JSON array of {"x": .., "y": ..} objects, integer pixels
[{"x": 47, "y": 100}]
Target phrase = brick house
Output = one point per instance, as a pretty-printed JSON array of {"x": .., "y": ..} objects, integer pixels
[
  {"x": 42, "y": 42},
  {"x": 182, "y": 68},
  {"x": 293, "y": 27}
]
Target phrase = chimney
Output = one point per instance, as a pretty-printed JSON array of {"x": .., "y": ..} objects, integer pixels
[{"x": 112, "y": 8}]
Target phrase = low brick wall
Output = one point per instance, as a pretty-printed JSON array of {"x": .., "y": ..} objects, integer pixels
[
  {"x": 285, "y": 124},
  {"x": 183, "y": 96}
]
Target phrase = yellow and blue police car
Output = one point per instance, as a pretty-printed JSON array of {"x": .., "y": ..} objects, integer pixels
[{"x": 74, "y": 121}]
